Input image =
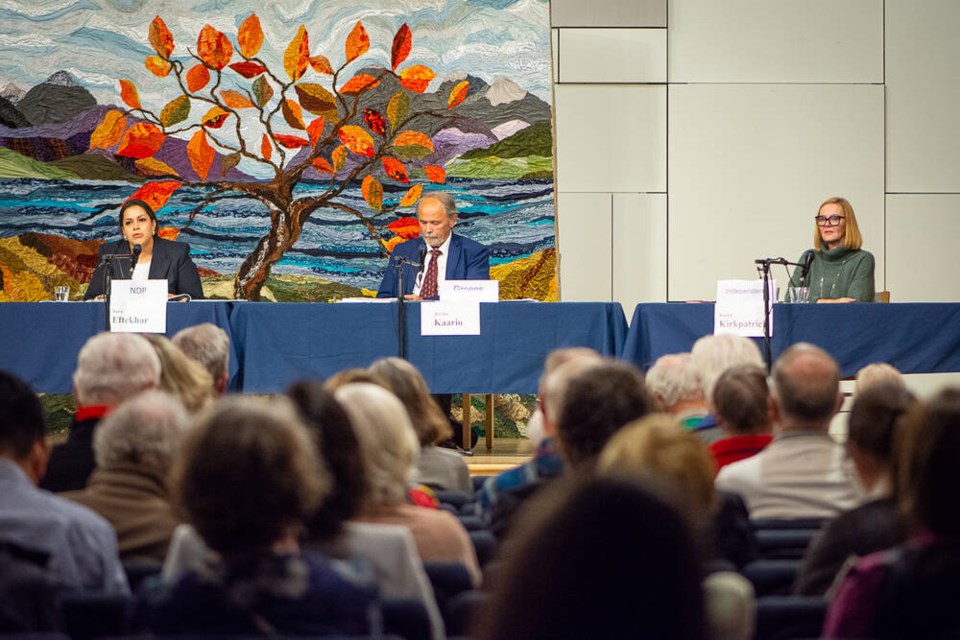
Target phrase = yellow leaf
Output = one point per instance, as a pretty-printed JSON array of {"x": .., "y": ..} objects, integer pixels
[
  {"x": 412, "y": 195},
  {"x": 357, "y": 140},
  {"x": 317, "y": 100},
  {"x": 109, "y": 131},
  {"x": 339, "y": 157},
  {"x": 372, "y": 192},
  {"x": 154, "y": 168},
  {"x": 358, "y": 42},
  {"x": 157, "y": 66},
  {"x": 416, "y": 78},
  {"x": 297, "y": 55}
]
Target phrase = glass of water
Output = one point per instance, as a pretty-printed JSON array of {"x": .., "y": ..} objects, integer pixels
[{"x": 61, "y": 293}]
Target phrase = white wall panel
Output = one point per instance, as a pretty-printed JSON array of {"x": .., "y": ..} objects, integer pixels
[
  {"x": 608, "y": 13},
  {"x": 611, "y": 138},
  {"x": 613, "y": 55},
  {"x": 923, "y": 96},
  {"x": 639, "y": 249},
  {"x": 776, "y": 40},
  {"x": 922, "y": 233},
  {"x": 555, "y": 53},
  {"x": 584, "y": 230},
  {"x": 748, "y": 166}
]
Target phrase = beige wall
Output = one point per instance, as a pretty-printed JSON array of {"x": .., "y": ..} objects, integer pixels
[{"x": 694, "y": 136}]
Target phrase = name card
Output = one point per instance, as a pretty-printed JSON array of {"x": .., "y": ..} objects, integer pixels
[
  {"x": 470, "y": 290},
  {"x": 138, "y": 306},
  {"x": 449, "y": 318},
  {"x": 739, "y": 308}
]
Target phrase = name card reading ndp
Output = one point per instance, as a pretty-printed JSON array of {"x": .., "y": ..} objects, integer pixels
[
  {"x": 739, "y": 308},
  {"x": 450, "y": 318},
  {"x": 138, "y": 306}
]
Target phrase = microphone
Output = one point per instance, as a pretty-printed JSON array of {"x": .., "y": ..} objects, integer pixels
[
  {"x": 137, "y": 249},
  {"x": 805, "y": 267},
  {"x": 422, "y": 266},
  {"x": 771, "y": 261}
]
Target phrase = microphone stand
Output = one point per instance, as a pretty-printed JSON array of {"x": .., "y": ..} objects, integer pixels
[
  {"x": 763, "y": 267},
  {"x": 107, "y": 261},
  {"x": 399, "y": 263}
]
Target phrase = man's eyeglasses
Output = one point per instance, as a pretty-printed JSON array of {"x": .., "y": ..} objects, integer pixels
[{"x": 828, "y": 221}]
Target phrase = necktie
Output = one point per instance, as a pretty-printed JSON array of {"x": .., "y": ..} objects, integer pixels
[{"x": 429, "y": 287}]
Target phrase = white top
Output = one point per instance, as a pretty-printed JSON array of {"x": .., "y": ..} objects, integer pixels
[
  {"x": 141, "y": 271},
  {"x": 441, "y": 265}
]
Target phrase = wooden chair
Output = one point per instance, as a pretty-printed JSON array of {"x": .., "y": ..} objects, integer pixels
[{"x": 467, "y": 410}]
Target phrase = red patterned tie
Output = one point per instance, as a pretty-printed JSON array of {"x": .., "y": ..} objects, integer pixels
[{"x": 429, "y": 287}]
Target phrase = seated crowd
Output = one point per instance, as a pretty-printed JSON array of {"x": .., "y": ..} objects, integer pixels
[{"x": 328, "y": 510}]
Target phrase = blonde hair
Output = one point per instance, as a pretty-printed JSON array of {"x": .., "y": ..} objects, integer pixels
[
  {"x": 878, "y": 373},
  {"x": 852, "y": 239},
  {"x": 181, "y": 375},
  {"x": 408, "y": 385},
  {"x": 658, "y": 447}
]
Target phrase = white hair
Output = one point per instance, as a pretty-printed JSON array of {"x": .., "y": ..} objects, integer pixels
[
  {"x": 209, "y": 345},
  {"x": 712, "y": 355},
  {"x": 112, "y": 367},
  {"x": 673, "y": 379},
  {"x": 389, "y": 446},
  {"x": 144, "y": 430},
  {"x": 557, "y": 381}
]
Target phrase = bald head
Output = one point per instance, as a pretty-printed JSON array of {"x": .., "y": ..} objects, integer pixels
[{"x": 806, "y": 387}]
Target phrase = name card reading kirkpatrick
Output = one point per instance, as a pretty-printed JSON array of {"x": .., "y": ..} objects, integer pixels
[
  {"x": 450, "y": 318},
  {"x": 138, "y": 306}
]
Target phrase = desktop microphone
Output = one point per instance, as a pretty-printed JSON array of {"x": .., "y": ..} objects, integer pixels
[
  {"x": 137, "y": 249},
  {"x": 805, "y": 267}
]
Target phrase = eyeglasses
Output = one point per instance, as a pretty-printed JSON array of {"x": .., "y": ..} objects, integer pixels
[{"x": 829, "y": 221}]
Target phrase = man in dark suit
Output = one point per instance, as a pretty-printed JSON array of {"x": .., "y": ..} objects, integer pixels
[{"x": 457, "y": 257}]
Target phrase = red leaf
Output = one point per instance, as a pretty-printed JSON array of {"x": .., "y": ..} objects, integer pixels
[
  {"x": 156, "y": 194},
  {"x": 395, "y": 169},
  {"x": 406, "y": 228},
  {"x": 248, "y": 69},
  {"x": 376, "y": 121},
  {"x": 359, "y": 83},
  {"x": 213, "y": 48},
  {"x": 197, "y": 78},
  {"x": 436, "y": 174},
  {"x": 250, "y": 36},
  {"x": 142, "y": 140},
  {"x": 129, "y": 95},
  {"x": 266, "y": 149},
  {"x": 315, "y": 131},
  {"x": 402, "y": 42},
  {"x": 291, "y": 142},
  {"x": 160, "y": 38},
  {"x": 358, "y": 42}
]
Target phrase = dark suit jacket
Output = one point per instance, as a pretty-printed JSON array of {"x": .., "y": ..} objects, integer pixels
[
  {"x": 467, "y": 260},
  {"x": 171, "y": 260}
]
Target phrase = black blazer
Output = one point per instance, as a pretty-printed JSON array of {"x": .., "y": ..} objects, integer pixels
[{"x": 171, "y": 260}]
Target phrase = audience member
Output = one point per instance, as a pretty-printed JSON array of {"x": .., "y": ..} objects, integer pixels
[
  {"x": 740, "y": 399},
  {"x": 29, "y": 597},
  {"x": 676, "y": 387},
  {"x": 711, "y": 356},
  {"x": 181, "y": 376},
  {"x": 547, "y": 461},
  {"x": 388, "y": 449},
  {"x": 247, "y": 479},
  {"x": 878, "y": 373},
  {"x": 134, "y": 448},
  {"x": 437, "y": 467},
  {"x": 802, "y": 473},
  {"x": 111, "y": 368},
  {"x": 911, "y": 591},
  {"x": 874, "y": 525},
  {"x": 209, "y": 345},
  {"x": 604, "y": 558},
  {"x": 77, "y": 547},
  {"x": 352, "y": 376}
]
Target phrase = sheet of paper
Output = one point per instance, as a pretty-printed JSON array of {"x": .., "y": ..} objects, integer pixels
[
  {"x": 739, "y": 307},
  {"x": 470, "y": 291},
  {"x": 450, "y": 318},
  {"x": 138, "y": 306}
]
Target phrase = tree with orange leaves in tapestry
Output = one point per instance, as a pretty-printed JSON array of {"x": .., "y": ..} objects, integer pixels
[{"x": 284, "y": 125}]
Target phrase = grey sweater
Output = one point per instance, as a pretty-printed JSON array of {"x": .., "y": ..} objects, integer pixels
[{"x": 838, "y": 273}]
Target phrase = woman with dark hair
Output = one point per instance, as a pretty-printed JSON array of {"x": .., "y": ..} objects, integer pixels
[
  {"x": 840, "y": 271},
  {"x": 604, "y": 558},
  {"x": 912, "y": 590},
  {"x": 158, "y": 259}
]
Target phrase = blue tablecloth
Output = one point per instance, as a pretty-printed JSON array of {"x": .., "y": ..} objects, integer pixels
[
  {"x": 913, "y": 337},
  {"x": 276, "y": 344}
]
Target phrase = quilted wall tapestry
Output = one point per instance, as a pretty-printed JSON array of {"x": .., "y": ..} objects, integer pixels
[{"x": 286, "y": 142}]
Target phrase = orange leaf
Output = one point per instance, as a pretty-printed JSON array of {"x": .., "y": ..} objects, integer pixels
[
  {"x": 197, "y": 78},
  {"x": 390, "y": 244},
  {"x": 358, "y": 83},
  {"x": 160, "y": 38},
  {"x": 322, "y": 166},
  {"x": 436, "y": 174},
  {"x": 169, "y": 233},
  {"x": 297, "y": 55},
  {"x": 154, "y": 167},
  {"x": 250, "y": 36},
  {"x": 411, "y": 196},
  {"x": 129, "y": 95},
  {"x": 142, "y": 140},
  {"x": 109, "y": 130},
  {"x": 248, "y": 69},
  {"x": 214, "y": 118},
  {"x": 357, "y": 140},
  {"x": 401, "y": 46},
  {"x": 372, "y": 192},
  {"x": 320, "y": 64},
  {"x": 157, "y": 66},
  {"x": 291, "y": 142},
  {"x": 293, "y": 114},
  {"x": 317, "y": 100},
  {"x": 339, "y": 157},
  {"x": 156, "y": 194},
  {"x": 201, "y": 154},
  {"x": 413, "y": 139},
  {"x": 214, "y": 48},
  {"x": 236, "y": 100},
  {"x": 417, "y": 77},
  {"x": 395, "y": 169},
  {"x": 458, "y": 94},
  {"x": 358, "y": 42},
  {"x": 266, "y": 149},
  {"x": 406, "y": 228},
  {"x": 315, "y": 130}
]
